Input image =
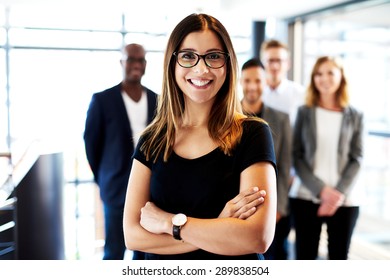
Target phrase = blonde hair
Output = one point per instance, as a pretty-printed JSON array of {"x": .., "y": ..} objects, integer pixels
[
  {"x": 224, "y": 124},
  {"x": 342, "y": 95},
  {"x": 271, "y": 44}
]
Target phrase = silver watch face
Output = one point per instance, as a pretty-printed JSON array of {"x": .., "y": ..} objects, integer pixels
[{"x": 179, "y": 219}]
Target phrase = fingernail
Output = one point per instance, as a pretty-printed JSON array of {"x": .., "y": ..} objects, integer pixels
[{"x": 255, "y": 189}]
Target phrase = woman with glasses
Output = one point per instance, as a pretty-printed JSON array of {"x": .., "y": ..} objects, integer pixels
[{"x": 203, "y": 182}]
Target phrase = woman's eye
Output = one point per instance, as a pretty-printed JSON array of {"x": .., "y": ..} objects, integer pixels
[
  {"x": 188, "y": 56},
  {"x": 214, "y": 56}
]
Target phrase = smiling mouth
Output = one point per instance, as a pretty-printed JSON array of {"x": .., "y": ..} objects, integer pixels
[{"x": 200, "y": 83}]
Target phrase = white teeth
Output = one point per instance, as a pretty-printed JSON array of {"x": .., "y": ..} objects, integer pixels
[{"x": 200, "y": 83}]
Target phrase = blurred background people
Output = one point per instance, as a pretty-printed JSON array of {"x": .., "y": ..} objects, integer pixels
[
  {"x": 253, "y": 81},
  {"x": 327, "y": 154},
  {"x": 115, "y": 119}
]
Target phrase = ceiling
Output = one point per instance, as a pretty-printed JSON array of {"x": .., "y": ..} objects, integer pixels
[
  {"x": 257, "y": 9},
  {"x": 262, "y": 9},
  {"x": 377, "y": 14},
  {"x": 253, "y": 9}
]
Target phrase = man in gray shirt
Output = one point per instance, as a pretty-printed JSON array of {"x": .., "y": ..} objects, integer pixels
[{"x": 253, "y": 82}]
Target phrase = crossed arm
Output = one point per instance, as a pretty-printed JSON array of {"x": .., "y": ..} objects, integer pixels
[{"x": 246, "y": 224}]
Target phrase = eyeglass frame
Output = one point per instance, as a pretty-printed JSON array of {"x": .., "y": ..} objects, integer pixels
[{"x": 203, "y": 56}]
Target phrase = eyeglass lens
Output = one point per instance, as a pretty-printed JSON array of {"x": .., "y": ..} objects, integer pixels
[{"x": 189, "y": 59}]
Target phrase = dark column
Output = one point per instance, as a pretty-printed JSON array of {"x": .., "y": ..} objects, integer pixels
[
  {"x": 39, "y": 210},
  {"x": 258, "y": 32}
]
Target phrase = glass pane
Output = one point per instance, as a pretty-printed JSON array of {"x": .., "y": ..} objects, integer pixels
[
  {"x": 139, "y": 22},
  {"x": 50, "y": 94},
  {"x": 64, "y": 39},
  {"x": 3, "y": 105},
  {"x": 90, "y": 15},
  {"x": 151, "y": 42},
  {"x": 154, "y": 71},
  {"x": 362, "y": 48},
  {"x": 2, "y": 15},
  {"x": 2, "y": 37}
]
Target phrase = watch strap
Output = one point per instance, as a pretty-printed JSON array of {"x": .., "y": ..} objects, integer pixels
[{"x": 176, "y": 232}]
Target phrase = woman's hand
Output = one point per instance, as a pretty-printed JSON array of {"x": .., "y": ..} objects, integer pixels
[
  {"x": 244, "y": 204},
  {"x": 331, "y": 200},
  {"x": 155, "y": 220}
]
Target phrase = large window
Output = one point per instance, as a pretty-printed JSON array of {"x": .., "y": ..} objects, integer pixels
[
  {"x": 3, "y": 103},
  {"x": 58, "y": 57},
  {"x": 3, "y": 90},
  {"x": 365, "y": 51},
  {"x": 361, "y": 37}
]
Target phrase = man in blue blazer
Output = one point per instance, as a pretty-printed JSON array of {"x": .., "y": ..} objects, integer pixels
[
  {"x": 253, "y": 81},
  {"x": 115, "y": 119}
]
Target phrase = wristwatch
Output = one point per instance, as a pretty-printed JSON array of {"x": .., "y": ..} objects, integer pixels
[{"x": 178, "y": 221}]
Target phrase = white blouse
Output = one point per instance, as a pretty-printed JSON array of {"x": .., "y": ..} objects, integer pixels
[{"x": 328, "y": 125}]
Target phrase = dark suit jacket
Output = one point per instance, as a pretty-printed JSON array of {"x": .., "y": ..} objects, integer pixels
[
  {"x": 109, "y": 142},
  {"x": 279, "y": 122}
]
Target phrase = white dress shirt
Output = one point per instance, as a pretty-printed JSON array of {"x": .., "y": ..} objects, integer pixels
[{"x": 287, "y": 97}]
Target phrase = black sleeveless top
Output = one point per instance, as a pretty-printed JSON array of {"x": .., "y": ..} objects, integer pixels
[{"x": 201, "y": 187}]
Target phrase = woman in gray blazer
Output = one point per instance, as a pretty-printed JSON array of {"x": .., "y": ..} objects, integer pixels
[{"x": 327, "y": 154}]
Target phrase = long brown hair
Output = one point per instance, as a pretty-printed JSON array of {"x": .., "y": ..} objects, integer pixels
[
  {"x": 225, "y": 118},
  {"x": 342, "y": 95}
]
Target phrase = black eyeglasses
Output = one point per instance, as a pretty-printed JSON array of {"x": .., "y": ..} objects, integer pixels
[{"x": 188, "y": 59}]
